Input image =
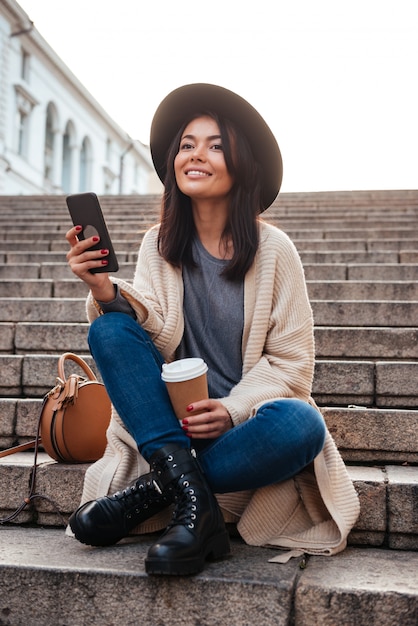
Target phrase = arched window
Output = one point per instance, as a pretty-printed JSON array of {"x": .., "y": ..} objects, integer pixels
[
  {"x": 67, "y": 157},
  {"x": 85, "y": 164},
  {"x": 50, "y": 130}
]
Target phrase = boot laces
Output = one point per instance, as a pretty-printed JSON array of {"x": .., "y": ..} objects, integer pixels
[
  {"x": 185, "y": 510},
  {"x": 137, "y": 494}
]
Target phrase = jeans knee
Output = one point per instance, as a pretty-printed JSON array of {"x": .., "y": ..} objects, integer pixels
[
  {"x": 107, "y": 328},
  {"x": 99, "y": 328},
  {"x": 304, "y": 421}
]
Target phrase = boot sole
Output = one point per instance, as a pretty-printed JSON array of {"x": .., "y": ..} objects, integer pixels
[{"x": 216, "y": 548}]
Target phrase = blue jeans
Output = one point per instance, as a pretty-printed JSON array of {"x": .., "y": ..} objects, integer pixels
[{"x": 279, "y": 441}]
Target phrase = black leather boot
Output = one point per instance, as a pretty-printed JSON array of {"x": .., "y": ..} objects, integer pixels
[
  {"x": 197, "y": 530},
  {"x": 106, "y": 521}
]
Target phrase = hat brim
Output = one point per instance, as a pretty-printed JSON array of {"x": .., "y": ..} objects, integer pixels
[{"x": 181, "y": 104}]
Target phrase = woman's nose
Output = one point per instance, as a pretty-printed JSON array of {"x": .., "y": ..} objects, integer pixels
[{"x": 197, "y": 153}]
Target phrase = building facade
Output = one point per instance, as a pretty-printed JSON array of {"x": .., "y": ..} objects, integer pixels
[{"x": 54, "y": 136}]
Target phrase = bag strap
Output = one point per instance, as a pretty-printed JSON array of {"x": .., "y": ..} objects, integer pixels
[
  {"x": 31, "y": 494},
  {"x": 77, "y": 359},
  {"x": 21, "y": 448}
]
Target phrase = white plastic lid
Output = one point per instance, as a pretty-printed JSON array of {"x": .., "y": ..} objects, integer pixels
[{"x": 183, "y": 369}]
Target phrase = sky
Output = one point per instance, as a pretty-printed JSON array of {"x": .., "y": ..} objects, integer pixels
[{"x": 336, "y": 80}]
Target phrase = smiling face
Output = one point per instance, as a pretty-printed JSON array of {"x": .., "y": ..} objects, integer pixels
[{"x": 199, "y": 165}]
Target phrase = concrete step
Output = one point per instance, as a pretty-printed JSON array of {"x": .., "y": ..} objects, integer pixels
[
  {"x": 387, "y": 495},
  {"x": 341, "y": 256},
  {"x": 340, "y": 342},
  {"x": 361, "y": 230},
  {"x": 385, "y": 384},
  {"x": 355, "y": 245},
  {"x": 347, "y": 342},
  {"x": 324, "y": 282},
  {"x": 121, "y": 246},
  {"x": 42, "y": 310},
  {"x": 368, "y": 435},
  {"x": 51, "y": 257},
  {"x": 337, "y": 382},
  {"x": 308, "y": 257},
  {"x": 57, "y": 237},
  {"x": 10, "y": 271},
  {"x": 304, "y": 227},
  {"x": 51, "y": 275},
  {"x": 363, "y": 290},
  {"x": 358, "y": 257},
  {"x": 365, "y": 313},
  {"x": 47, "y": 337},
  {"x": 362, "y": 434},
  {"x": 132, "y": 242},
  {"x": 63, "y": 287},
  {"x": 385, "y": 313},
  {"x": 370, "y": 272},
  {"x": 71, "y": 584}
]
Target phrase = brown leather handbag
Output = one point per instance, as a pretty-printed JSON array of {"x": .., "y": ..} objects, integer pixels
[
  {"x": 72, "y": 424},
  {"x": 74, "y": 417}
]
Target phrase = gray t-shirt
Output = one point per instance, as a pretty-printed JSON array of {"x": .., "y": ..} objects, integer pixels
[{"x": 213, "y": 320}]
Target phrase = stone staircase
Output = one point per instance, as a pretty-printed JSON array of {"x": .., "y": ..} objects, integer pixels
[{"x": 360, "y": 253}]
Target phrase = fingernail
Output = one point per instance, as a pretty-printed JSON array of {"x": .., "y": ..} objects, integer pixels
[
  {"x": 104, "y": 251},
  {"x": 186, "y": 428},
  {"x": 105, "y": 262},
  {"x": 78, "y": 228},
  {"x": 185, "y": 421},
  {"x": 190, "y": 407},
  {"x": 95, "y": 239}
]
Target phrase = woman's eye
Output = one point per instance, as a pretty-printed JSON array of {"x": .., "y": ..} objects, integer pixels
[
  {"x": 186, "y": 146},
  {"x": 217, "y": 146}
]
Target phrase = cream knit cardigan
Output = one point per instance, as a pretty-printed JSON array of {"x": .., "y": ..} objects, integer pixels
[{"x": 315, "y": 510}]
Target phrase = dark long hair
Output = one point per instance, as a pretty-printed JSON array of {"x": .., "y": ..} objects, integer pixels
[{"x": 177, "y": 226}]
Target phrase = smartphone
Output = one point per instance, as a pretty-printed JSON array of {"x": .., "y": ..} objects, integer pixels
[{"x": 85, "y": 211}]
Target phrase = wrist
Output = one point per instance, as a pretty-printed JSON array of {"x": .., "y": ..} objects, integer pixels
[{"x": 104, "y": 294}]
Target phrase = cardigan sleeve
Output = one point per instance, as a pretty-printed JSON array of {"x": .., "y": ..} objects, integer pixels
[
  {"x": 278, "y": 353},
  {"x": 156, "y": 296}
]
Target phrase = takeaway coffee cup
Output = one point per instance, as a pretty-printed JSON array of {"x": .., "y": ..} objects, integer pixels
[{"x": 186, "y": 382}]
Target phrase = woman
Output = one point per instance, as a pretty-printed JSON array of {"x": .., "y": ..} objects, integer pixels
[{"x": 214, "y": 281}]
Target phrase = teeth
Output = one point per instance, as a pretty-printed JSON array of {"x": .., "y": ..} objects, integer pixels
[{"x": 197, "y": 173}]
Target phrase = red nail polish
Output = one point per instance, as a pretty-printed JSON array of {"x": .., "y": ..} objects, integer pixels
[
  {"x": 186, "y": 428},
  {"x": 190, "y": 407},
  {"x": 185, "y": 421},
  {"x": 104, "y": 251},
  {"x": 78, "y": 228},
  {"x": 105, "y": 262},
  {"x": 96, "y": 239}
]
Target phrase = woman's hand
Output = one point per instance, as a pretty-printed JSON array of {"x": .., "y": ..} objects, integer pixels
[
  {"x": 211, "y": 421},
  {"x": 81, "y": 260}
]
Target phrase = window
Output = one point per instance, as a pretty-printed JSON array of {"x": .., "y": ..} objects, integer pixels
[
  {"x": 49, "y": 145},
  {"x": 24, "y": 65},
  {"x": 25, "y": 103},
  {"x": 67, "y": 157},
  {"x": 22, "y": 133},
  {"x": 108, "y": 150},
  {"x": 85, "y": 164}
]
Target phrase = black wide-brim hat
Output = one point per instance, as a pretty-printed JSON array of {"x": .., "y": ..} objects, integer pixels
[{"x": 181, "y": 104}]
